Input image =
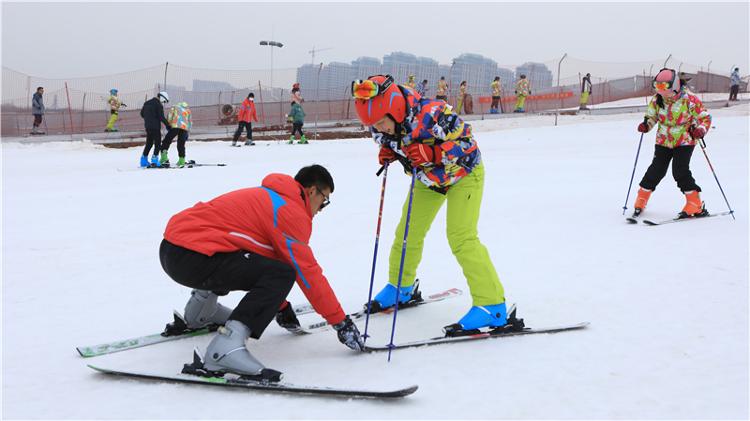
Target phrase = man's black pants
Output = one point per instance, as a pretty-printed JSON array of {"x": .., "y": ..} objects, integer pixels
[
  {"x": 680, "y": 158},
  {"x": 153, "y": 138},
  {"x": 267, "y": 281}
]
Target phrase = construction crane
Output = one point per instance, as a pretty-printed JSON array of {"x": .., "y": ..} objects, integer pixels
[{"x": 313, "y": 51}]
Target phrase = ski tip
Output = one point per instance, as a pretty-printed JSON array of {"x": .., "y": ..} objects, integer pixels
[
  {"x": 406, "y": 391},
  {"x": 85, "y": 353}
]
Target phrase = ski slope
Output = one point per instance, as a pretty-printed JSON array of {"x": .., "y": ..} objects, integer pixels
[{"x": 668, "y": 305}]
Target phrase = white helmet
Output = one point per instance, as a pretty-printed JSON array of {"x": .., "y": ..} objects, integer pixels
[{"x": 163, "y": 96}]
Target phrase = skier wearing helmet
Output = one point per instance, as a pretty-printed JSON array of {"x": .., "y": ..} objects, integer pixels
[
  {"x": 152, "y": 113},
  {"x": 683, "y": 121},
  {"x": 426, "y": 135},
  {"x": 114, "y": 110}
]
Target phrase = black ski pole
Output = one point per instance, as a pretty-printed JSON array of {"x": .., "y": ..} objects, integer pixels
[
  {"x": 625, "y": 206},
  {"x": 703, "y": 148},
  {"x": 384, "y": 169}
]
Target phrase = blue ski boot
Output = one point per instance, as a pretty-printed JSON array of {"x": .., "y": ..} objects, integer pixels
[
  {"x": 386, "y": 298},
  {"x": 491, "y": 316},
  {"x": 144, "y": 161},
  {"x": 155, "y": 161}
]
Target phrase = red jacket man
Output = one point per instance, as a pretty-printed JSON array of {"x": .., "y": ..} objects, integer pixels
[{"x": 255, "y": 240}]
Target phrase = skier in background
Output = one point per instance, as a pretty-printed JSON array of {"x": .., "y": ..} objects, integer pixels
[
  {"x": 181, "y": 121},
  {"x": 522, "y": 91},
  {"x": 411, "y": 83},
  {"x": 734, "y": 82},
  {"x": 296, "y": 94},
  {"x": 682, "y": 121},
  {"x": 442, "y": 89},
  {"x": 255, "y": 240},
  {"x": 152, "y": 113},
  {"x": 114, "y": 110},
  {"x": 585, "y": 91},
  {"x": 245, "y": 118},
  {"x": 496, "y": 92},
  {"x": 426, "y": 135},
  {"x": 422, "y": 88},
  {"x": 297, "y": 115},
  {"x": 37, "y": 110},
  {"x": 461, "y": 97}
]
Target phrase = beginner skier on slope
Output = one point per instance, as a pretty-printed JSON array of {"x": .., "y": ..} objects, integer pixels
[
  {"x": 152, "y": 113},
  {"x": 255, "y": 240},
  {"x": 427, "y": 135},
  {"x": 682, "y": 121}
]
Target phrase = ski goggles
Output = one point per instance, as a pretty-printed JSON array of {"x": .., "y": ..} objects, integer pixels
[
  {"x": 368, "y": 88},
  {"x": 667, "y": 85}
]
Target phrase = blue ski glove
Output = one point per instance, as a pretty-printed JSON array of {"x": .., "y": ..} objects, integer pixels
[{"x": 349, "y": 334}]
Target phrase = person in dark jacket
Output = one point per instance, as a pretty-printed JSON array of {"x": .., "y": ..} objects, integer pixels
[
  {"x": 153, "y": 115},
  {"x": 37, "y": 109}
]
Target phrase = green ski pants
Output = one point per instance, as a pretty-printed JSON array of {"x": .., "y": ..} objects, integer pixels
[{"x": 464, "y": 200}]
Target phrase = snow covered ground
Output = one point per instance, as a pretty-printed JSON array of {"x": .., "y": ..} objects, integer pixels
[{"x": 668, "y": 305}]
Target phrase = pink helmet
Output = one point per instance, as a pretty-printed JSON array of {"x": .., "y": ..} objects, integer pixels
[{"x": 667, "y": 79}]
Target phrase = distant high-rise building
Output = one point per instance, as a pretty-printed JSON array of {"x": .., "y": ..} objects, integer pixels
[
  {"x": 307, "y": 77},
  {"x": 364, "y": 67},
  {"x": 400, "y": 65},
  {"x": 478, "y": 72},
  {"x": 334, "y": 81}
]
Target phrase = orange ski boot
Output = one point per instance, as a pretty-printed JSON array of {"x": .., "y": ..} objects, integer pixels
[
  {"x": 694, "y": 207},
  {"x": 641, "y": 201}
]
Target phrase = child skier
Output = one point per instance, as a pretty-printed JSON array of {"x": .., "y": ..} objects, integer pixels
[
  {"x": 426, "y": 135},
  {"x": 522, "y": 91},
  {"x": 682, "y": 121},
  {"x": 297, "y": 115},
  {"x": 114, "y": 110},
  {"x": 181, "y": 121}
]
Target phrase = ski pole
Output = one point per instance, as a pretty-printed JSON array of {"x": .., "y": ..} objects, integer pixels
[
  {"x": 703, "y": 148},
  {"x": 401, "y": 265},
  {"x": 625, "y": 206},
  {"x": 375, "y": 253}
]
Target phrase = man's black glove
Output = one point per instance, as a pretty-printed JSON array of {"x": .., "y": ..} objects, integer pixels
[
  {"x": 287, "y": 319},
  {"x": 349, "y": 334}
]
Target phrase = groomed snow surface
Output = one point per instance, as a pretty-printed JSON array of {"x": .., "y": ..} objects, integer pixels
[{"x": 668, "y": 305}]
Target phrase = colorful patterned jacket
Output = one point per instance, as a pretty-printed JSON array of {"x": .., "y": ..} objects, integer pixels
[
  {"x": 496, "y": 89},
  {"x": 180, "y": 117},
  {"x": 433, "y": 122},
  {"x": 675, "y": 116},
  {"x": 522, "y": 87}
]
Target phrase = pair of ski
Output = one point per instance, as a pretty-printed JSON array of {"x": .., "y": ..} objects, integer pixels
[
  {"x": 515, "y": 327},
  {"x": 188, "y": 164},
  {"x": 178, "y": 328},
  {"x": 635, "y": 219}
]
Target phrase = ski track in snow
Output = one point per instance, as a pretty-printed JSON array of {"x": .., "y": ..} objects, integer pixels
[{"x": 668, "y": 305}]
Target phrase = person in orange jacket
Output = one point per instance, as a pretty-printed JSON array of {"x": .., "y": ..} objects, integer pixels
[
  {"x": 257, "y": 240},
  {"x": 245, "y": 117}
]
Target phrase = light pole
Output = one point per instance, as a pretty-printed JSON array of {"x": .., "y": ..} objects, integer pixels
[{"x": 272, "y": 44}]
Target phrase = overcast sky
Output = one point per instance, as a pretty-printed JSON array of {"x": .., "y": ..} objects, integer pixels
[{"x": 60, "y": 40}]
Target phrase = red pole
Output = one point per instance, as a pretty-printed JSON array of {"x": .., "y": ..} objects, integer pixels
[{"x": 70, "y": 110}]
